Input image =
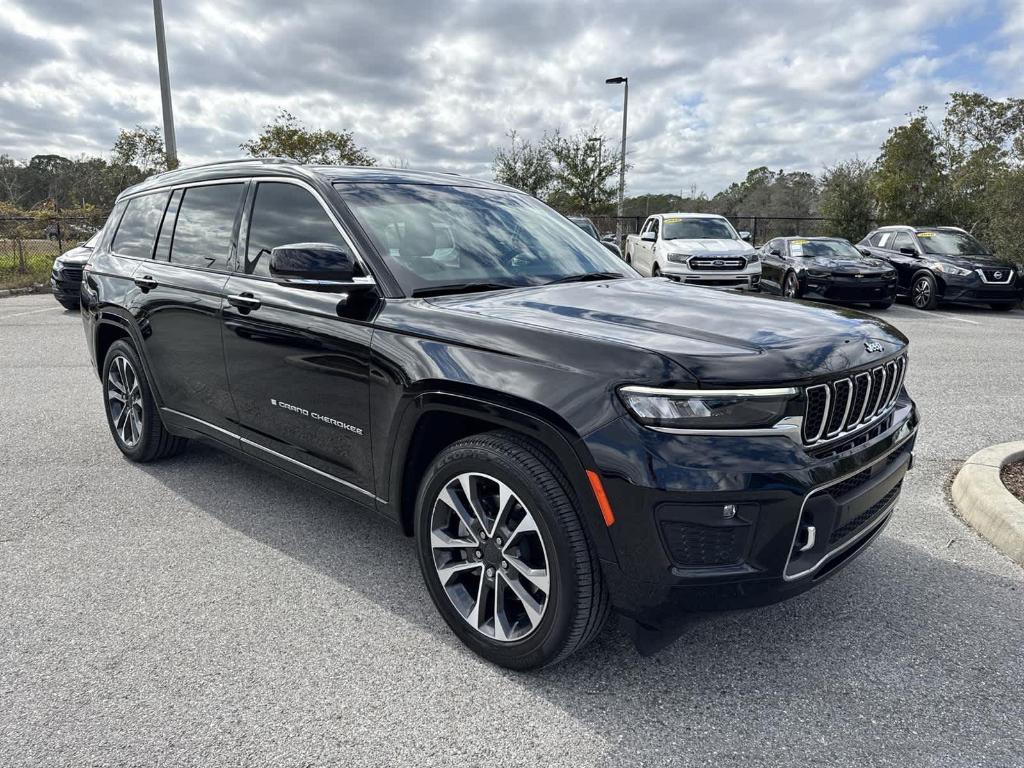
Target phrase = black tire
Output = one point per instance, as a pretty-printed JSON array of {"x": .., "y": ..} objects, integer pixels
[
  {"x": 1003, "y": 306},
  {"x": 655, "y": 271},
  {"x": 881, "y": 304},
  {"x": 154, "y": 441},
  {"x": 924, "y": 291},
  {"x": 73, "y": 306},
  {"x": 791, "y": 286},
  {"x": 577, "y": 601},
  {"x": 628, "y": 259}
]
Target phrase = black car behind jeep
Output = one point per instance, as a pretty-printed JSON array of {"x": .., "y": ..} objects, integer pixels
[
  {"x": 561, "y": 437},
  {"x": 66, "y": 276},
  {"x": 945, "y": 264},
  {"x": 826, "y": 269}
]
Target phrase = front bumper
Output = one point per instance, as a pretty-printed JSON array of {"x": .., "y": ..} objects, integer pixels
[
  {"x": 749, "y": 277},
  {"x": 971, "y": 289},
  {"x": 867, "y": 289},
  {"x": 720, "y": 522},
  {"x": 66, "y": 284}
]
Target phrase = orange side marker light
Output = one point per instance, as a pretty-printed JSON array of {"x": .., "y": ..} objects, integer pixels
[{"x": 602, "y": 497}]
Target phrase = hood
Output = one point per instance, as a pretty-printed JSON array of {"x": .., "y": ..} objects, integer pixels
[
  {"x": 849, "y": 266},
  {"x": 77, "y": 255},
  {"x": 719, "y": 337},
  {"x": 711, "y": 247}
]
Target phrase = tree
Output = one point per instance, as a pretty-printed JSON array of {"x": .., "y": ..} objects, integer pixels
[
  {"x": 908, "y": 180},
  {"x": 846, "y": 199},
  {"x": 525, "y": 165},
  {"x": 11, "y": 180},
  {"x": 583, "y": 169},
  {"x": 140, "y": 147},
  {"x": 287, "y": 137},
  {"x": 1002, "y": 230}
]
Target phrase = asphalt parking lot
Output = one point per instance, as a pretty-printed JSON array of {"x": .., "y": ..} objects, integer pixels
[{"x": 200, "y": 611}]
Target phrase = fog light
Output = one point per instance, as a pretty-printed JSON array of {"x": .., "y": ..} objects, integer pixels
[{"x": 729, "y": 511}]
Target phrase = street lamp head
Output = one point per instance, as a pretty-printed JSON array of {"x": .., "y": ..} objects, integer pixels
[{"x": 616, "y": 80}]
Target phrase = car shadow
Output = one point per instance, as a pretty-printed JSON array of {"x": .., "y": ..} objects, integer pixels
[{"x": 888, "y": 647}]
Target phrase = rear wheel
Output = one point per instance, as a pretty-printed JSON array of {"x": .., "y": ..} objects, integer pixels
[
  {"x": 131, "y": 409},
  {"x": 655, "y": 271},
  {"x": 1003, "y": 306},
  {"x": 791, "y": 286},
  {"x": 924, "y": 292},
  {"x": 504, "y": 554}
]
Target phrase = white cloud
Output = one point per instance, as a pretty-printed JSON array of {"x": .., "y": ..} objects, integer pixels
[{"x": 715, "y": 87}]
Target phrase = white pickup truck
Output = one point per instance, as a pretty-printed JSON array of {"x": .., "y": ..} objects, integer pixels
[{"x": 697, "y": 248}]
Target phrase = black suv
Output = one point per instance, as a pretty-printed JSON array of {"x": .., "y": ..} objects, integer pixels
[
  {"x": 66, "y": 276},
  {"x": 945, "y": 264},
  {"x": 561, "y": 436}
]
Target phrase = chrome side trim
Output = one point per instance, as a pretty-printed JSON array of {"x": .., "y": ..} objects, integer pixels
[
  {"x": 207, "y": 425},
  {"x": 883, "y": 515}
]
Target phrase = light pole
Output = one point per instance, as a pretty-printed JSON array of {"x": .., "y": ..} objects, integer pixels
[
  {"x": 170, "y": 145},
  {"x": 622, "y": 159}
]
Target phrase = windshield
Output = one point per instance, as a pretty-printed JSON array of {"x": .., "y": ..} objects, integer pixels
[
  {"x": 436, "y": 236},
  {"x": 587, "y": 227},
  {"x": 828, "y": 249},
  {"x": 941, "y": 243},
  {"x": 674, "y": 228},
  {"x": 91, "y": 242}
]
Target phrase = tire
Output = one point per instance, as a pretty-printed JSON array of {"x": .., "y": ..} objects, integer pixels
[
  {"x": 655, "y": 271},
  {"x": 574, "y": 608},
  {"x": 881, "y": 304},
  {"x": 791, "y": 286},
  {"x": 73, "y": 306},
  {"x": 1003, "y": 306},
  {"x": 628, "y": 259},
  {"x": 924, "y": 293},
  {"x": 142, "y": 438}
]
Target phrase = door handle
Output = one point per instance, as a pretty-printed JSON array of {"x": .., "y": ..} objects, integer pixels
[
  {"x": 245, "y": 302},
  {"x": 146, "y": 283}
]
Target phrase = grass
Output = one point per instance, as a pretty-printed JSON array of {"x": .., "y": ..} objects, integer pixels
[{"x": 38, "y": 256}]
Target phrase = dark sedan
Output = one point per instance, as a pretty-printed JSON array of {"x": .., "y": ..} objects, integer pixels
[
  {"x": 66, "y": 277},
  {"x": 826, "y": 269}
]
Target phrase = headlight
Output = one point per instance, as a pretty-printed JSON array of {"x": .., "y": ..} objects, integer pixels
[
  {"x": 818, "y": 273},
  {"x": 753, "y": 258},
  {"x": 58, "y": 262},
  {"x": 707, "y": 409},
  {"x": 949, "y": 269},
  {"x": 678, "y": 258}
]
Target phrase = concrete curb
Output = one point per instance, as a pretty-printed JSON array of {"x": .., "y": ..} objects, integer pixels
[
  {"x": 39, "y": 288},
  {"x": 982, "y": 499}
]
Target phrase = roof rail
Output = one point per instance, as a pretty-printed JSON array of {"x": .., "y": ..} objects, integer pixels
[{"x": 272, "y": 160}]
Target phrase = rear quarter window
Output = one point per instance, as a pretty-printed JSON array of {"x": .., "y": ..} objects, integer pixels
[{"x": 137, "y": 231}]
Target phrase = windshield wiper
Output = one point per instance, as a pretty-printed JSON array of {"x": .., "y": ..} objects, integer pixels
[
  {"x": 451, "y": 288},
  {"x": 586, "y": 276}
]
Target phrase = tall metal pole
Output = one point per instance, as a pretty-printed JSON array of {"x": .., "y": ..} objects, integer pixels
[
  {"x": 622, "y": 159},
  {"x": 170, "y": 145}
]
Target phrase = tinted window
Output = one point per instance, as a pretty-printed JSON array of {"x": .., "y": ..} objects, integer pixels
[
  {"x": 679, "y": 228},
  {"x": 206, "y": 220},
  {"x": 163, "y": 242},
  {"x": 902, "y": 240},
  {"x": 876, "y": 238},
  {"x": 950, "y": 243},
  {"x": 137, "y": 231},
  {"x": 282, "y": 214}
]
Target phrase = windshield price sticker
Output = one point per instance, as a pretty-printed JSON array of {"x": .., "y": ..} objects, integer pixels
[
  {"x": 926, "y": 234},
  {"x": 676, "y": 220}
]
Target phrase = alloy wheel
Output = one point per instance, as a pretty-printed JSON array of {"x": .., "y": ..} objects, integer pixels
[
  {"x": 124, "y": 399},
  {"x": 489, "y": 557},
  {"x": 922, "y": 292},
  {"x": 789, "y": 289}
]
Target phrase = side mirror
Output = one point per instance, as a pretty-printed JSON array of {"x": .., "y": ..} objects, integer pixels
[
  {"x": 608, "y": 238},
  {"x": 864, "y": 251},
  {"x": 746, "y": 236},
  {"x": 648, "y": 237},
  {"x": 775, "y": 252},
  {"x": 908, "y": 251},
  {"x": 312, "y": 264}
]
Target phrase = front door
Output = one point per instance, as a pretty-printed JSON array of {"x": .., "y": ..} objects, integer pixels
[{"x": 298, "y": 369}]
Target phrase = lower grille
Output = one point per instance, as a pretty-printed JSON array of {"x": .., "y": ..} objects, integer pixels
[
  {"x": 848, "y": 529},
  {"x": 700, "y": 546}
]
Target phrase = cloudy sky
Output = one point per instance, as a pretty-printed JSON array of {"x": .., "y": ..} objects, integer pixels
[{"x": 716, "y": 87}]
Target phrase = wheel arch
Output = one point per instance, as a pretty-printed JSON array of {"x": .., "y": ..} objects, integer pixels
[
  {"x": 940, "y": 284},
  {"x": 435, "y": 420},
  {"x": 113, "y": 325}
]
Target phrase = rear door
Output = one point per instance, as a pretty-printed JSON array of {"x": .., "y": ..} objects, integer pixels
[
  {"x": 772, "y": 265},
  {"x": 180, "y": 290},
  {"x": 643, "y": 258},
  {"x": 907, "y": 264},
  {"x": 298, "y": 368}
]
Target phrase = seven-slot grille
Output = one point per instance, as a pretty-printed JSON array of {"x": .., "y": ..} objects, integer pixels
[
  {"x": 717, "y": 262},
  {"x": 844, "y": 405}
]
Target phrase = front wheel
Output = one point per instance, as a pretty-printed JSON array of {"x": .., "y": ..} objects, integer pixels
[
  {"x": 504, "y": 554},
  {"x": 791, "y": 286},
  {"x": 655, "y": 271},
  {"x": 924, "y": 293}
]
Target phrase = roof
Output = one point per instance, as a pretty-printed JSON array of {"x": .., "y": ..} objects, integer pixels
[
  {"x": 916, "y": 228},
  {"x": 813, "y": 237},
  {"x": 691, "y": 215},
  {"x": 274, "y": 166}
]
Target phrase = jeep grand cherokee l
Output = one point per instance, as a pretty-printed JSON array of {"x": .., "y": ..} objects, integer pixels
[
  {"x": 945, "y": 264},
  {"x": 561, "y": 437}
]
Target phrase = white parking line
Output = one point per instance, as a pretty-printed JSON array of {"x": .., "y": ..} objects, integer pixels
[
  {"x": 30, "y": 312},
  {"x": 961, "y": 319}
]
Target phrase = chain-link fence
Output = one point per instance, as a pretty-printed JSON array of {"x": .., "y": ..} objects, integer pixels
[{"x": 29, "y": 244}]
